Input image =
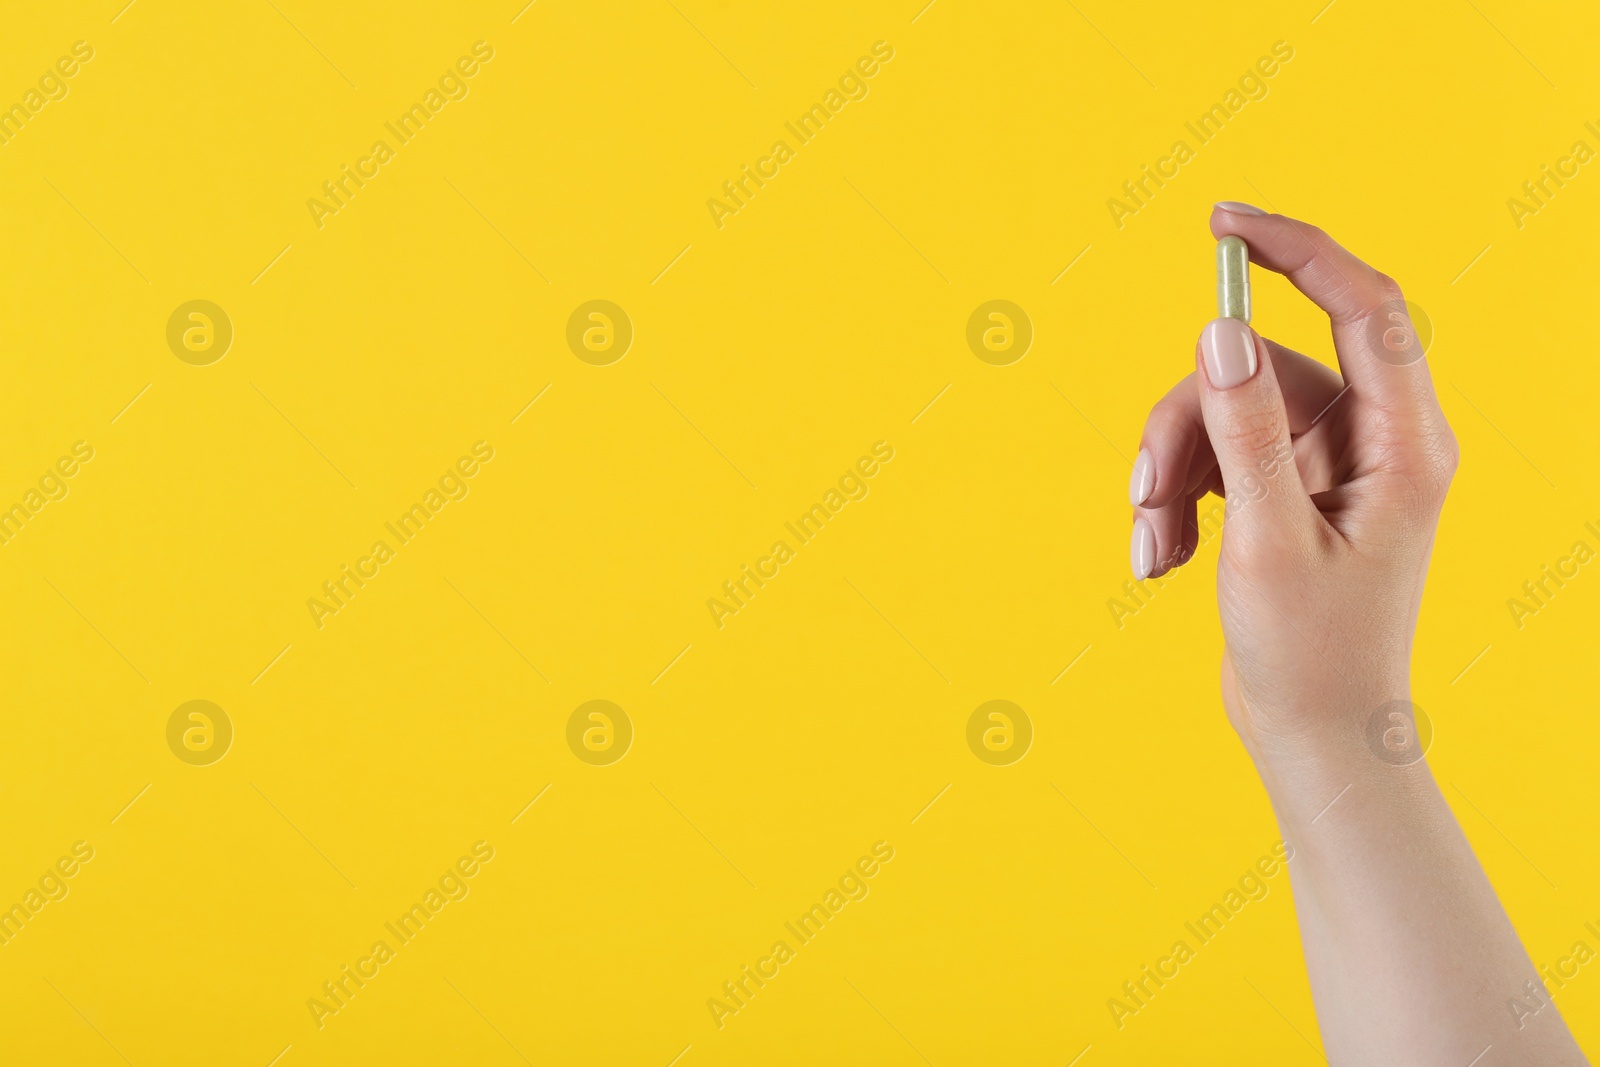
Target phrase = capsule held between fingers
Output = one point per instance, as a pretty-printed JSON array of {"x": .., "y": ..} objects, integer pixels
[{"x": 1233, "y": 279}]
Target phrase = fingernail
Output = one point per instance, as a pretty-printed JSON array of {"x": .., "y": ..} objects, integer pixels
[
  {"x": 1143, "y": 480},
  {"x": 1142, "y": 553},
  {"x": 1240, "y": 209},
  {"x": 1229, "y": 348}
]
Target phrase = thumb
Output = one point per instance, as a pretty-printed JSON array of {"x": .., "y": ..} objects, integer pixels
[{"x": 1248, "y": 425}]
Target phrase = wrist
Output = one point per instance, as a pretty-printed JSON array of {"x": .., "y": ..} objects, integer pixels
[{"x": 1307, "y": 759}]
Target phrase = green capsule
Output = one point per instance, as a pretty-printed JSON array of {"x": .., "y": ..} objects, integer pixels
[{"x": 1233, "y": 279}]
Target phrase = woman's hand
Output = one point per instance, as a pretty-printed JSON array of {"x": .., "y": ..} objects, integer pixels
[{"x": 1333, "y": 484}]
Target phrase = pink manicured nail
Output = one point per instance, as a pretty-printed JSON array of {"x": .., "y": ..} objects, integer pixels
[
  {"x": 1142, "y": 553},
  {"x": 1240, "y": 209},
  {"x": 1143, "y": 479},
  {"x": 1229, "y": 348}
]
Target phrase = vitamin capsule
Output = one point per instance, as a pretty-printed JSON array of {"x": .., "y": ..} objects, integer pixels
[{"x": 1233, "y": 279}]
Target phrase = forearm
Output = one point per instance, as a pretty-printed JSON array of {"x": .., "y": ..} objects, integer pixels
[{"x": 1411, "y": 958}]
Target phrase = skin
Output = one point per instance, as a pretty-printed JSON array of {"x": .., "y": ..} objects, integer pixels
[{"x": 1411, "y": 958}]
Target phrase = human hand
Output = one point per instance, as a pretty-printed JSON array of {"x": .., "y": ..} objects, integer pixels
[{"x": 1334, "y": 486}]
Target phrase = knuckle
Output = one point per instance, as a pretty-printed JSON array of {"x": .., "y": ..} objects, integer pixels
[
  {"x": 1427, "y": 466},
  {"x": 1318, "y": 238},
  {"x": 1381, "y": 301},
  {"x": 1441, "y": 458},
  {"x": 1253, "y": 433},
  {"x": 1424, "y": 450},
  {"x": 1390, "y": 288}
]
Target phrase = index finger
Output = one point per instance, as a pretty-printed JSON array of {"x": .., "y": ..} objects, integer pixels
[{"x": 1378, "y": 350}]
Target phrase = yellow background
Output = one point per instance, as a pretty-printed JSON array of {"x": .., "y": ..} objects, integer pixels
[{"x": 827, "y": 714}]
